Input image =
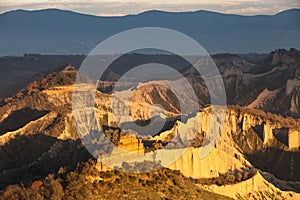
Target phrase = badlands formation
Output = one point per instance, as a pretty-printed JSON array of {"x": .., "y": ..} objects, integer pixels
[
  {"x": 242, "y": 153},
  {"x": 244, "y": 132}
]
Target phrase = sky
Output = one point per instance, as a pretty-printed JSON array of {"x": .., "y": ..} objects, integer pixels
[{"x": 125, "y": 7}]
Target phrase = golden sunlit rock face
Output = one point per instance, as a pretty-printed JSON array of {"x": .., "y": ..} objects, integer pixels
[{"x": 130, "y": 143}]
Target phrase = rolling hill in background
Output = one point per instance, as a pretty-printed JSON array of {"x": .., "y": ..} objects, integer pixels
[{"x": 55, "y": 31}]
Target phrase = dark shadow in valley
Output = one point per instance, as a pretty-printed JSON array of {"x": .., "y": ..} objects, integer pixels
[
  {"x": 33, "y": 157},
  {"x": 144, "y": 131},
  {"x": 23, "y": 117},
  {"x": 259, "y": 130},
  {"x": 282, "y": 135},
  {"x": 144, "y": 128},
  {"x": 282, "y": 164}
]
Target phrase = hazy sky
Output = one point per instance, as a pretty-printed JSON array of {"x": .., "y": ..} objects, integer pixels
[{"x": 124, "y": 7}]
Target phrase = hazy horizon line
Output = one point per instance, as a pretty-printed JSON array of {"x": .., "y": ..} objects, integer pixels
[{"x": 146, "y": 11}]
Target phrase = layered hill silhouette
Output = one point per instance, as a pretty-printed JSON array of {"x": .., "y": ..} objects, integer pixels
[{"x": 55, "y": 31}]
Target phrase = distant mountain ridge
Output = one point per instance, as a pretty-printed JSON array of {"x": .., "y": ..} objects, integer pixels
[{"x": 54, "y": 31}]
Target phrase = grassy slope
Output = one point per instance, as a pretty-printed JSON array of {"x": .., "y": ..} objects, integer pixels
[{"x": 87, "y": 183}]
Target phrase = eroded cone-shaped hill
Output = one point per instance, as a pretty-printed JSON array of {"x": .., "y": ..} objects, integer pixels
[{"x": 271, "y": 85}]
